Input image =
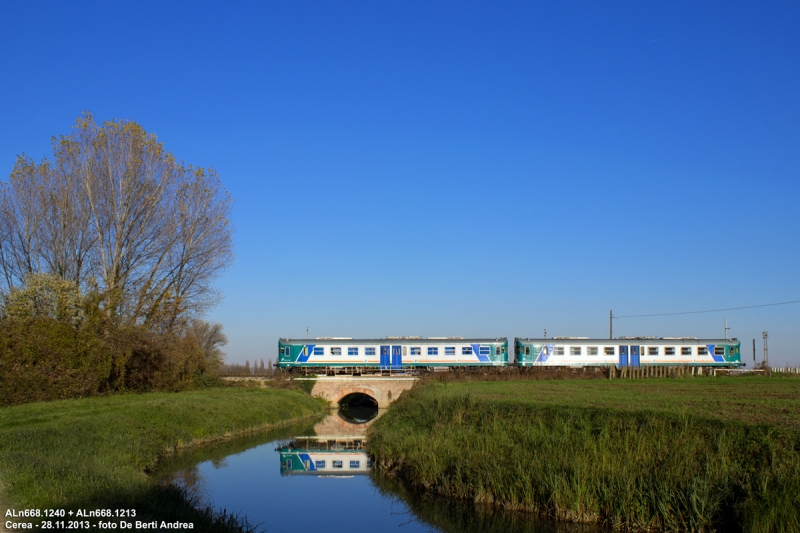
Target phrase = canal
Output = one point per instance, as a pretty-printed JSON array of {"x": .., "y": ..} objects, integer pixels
[{"x": 317, "y": 477}]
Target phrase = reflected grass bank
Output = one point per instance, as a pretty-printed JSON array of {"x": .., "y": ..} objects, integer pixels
[{"x": 450, "y": 516}]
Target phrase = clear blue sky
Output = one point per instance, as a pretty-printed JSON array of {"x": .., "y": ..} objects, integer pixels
[{"x": 475, "y": 169}]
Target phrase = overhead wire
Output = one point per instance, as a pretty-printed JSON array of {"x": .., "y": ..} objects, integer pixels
[{"x": 709, "y": 310}]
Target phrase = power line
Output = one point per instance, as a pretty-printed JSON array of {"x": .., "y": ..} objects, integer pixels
[{"x": 710, "y": 310}]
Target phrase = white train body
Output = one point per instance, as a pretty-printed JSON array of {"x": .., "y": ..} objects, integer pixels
[{"x": 627, "y": 351}]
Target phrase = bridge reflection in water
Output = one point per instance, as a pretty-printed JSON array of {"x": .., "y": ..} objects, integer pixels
[{"x": 338, "y": 447}]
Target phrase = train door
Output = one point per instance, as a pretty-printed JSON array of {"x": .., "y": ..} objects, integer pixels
[
  {"x": 623, "y": 356},
  {"x": 635, "y": 356},
  {"x": 385, "y": 360},
  {"x": 397, "y": 357}
]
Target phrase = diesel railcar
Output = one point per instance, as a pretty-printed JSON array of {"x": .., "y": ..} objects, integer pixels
[
  {"x": 627, "y": 351},
  {"x": 343, "y": 354},
  {"x": 320, "y": 462}
]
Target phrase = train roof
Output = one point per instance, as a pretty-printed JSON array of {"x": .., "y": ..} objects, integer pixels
[
  {"x": 629, "y": 340},
  {"x": 394, "y": 340}
]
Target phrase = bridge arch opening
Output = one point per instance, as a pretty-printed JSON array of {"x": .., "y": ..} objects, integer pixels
[{"x": 358, "y": 407}]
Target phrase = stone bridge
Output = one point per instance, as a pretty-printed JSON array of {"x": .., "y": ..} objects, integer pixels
[{"x": 383, "y": 390}]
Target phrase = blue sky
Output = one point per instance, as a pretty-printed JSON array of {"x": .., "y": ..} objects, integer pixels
[{"x": 464, "y": 168}]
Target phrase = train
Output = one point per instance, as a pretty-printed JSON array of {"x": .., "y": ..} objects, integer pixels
[{"x": 332, "y": 355}]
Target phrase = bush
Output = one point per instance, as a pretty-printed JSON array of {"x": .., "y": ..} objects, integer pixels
[{"x": 43, "y": 359}]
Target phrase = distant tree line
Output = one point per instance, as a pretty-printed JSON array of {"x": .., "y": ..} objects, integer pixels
[
  {"x": 256, "y": 369},
  {"x": 108, "y": 254}
]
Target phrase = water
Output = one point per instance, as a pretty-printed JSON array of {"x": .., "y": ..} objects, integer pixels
[{"x": 317, "y": 478}]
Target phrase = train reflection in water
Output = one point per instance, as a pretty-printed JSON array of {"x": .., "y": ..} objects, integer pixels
[
  {"x": 329, "y": 456},
  {"x": 338, "y": 448}
]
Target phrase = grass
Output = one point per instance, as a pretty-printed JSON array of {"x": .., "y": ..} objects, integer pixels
[
  {"x": 697, "y": 454},
  {"x": 748, "y": 399},
  {"x": 98, "y": 452}
]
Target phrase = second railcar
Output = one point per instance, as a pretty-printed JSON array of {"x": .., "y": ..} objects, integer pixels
[
  {"x": 390, "y": 354},
  {"x": 628, "y": 351}
]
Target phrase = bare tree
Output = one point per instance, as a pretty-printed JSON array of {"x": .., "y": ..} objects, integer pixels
[
  {"x": 210, "y": 338},
  {"x": 115, "y": 211}
]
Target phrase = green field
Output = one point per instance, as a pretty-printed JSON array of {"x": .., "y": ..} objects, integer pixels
[
  {"x": 693, "y": 454},
  {"x": 97, "y": 452},
  {"x": 750, "y": 400}
]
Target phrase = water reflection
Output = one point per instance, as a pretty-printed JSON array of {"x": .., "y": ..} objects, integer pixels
[
  {"x": 324, "y": 469},
  {"x": 448, "y": 516},
  {"x": 324, "y": 456},
  {"x": 337, "y": 447}
]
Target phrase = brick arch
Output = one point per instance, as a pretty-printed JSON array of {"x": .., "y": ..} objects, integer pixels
[{"x": 356, "y": 390}]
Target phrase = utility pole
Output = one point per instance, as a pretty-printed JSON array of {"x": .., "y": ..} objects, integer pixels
[
  {"x": 610, "y": 324},
  {"x": 754, "y": 352},
  {"x": 726, "y": 329},
  {"x": 765, "y": 335}
]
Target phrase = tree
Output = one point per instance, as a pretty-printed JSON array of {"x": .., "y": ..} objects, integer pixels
[
  {"x": 113, "y": 209},
  {"x": 44, "y": 295},
  {"x": 210, "y": 339}
]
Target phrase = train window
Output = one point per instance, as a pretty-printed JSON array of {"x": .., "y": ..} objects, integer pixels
[
  {"x": 719, "y": 350},
  {"x": 702, "y": 350},
  {"x": 336, "y": 351},
  {"x": 686, "y": 350},
  {"x": 558, "y": 350},
  {"x": 355, "y": 464},
  {"x": 449, "y": 350},
  {"x": 652, "y": 350},
  {"x": 669, "y": 350},
  {"x": 433, "y": 350},
  {"x": 592, "y": 350},
  {"x": 527, "y": 350},
  {"x": 575, "y": 350},
  {"x": 337, "y": 464},
  {"x": 319, "y": 464},
  {"x": 416, "y": 351},
  {"x": 369, "y": 351},
  {"x": 466, "y": 350},
  {"x": 608, "y": 350},
  {"x": 352, "y": 350},
  {"x": 319, "y": 350}
]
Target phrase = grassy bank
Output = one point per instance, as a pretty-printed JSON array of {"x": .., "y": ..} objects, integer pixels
[
  {"x": 676, "y": 455},
  {"x": 97, "y": 452}
]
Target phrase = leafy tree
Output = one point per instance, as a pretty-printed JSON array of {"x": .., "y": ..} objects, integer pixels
[{"x": 44, "y": 295}]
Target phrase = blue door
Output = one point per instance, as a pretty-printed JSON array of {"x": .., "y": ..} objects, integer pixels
[
  {"x": 385, "y": 360},
  {"x": 634, "y": 356},
  {"x": 623, "y": 356},
  {"x": 397, "y": 357}
]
